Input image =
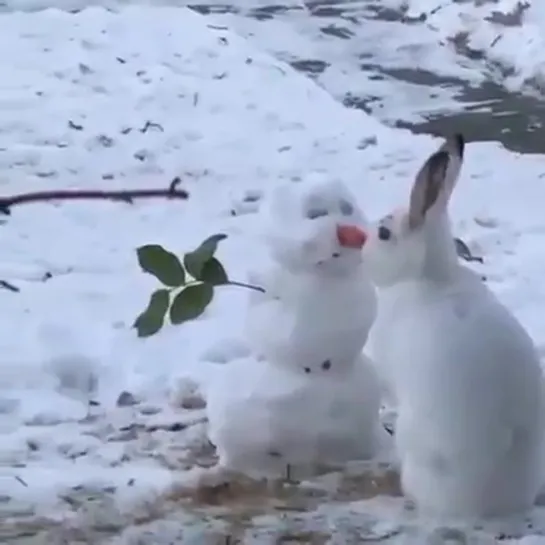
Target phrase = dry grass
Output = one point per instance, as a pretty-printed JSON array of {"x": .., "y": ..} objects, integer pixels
[
  {"x": 235, "y": 506},
  {"x": 240, "y": 501}
]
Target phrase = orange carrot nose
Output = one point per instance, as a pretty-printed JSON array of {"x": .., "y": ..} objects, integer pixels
[{"x": 351, "y": 236}]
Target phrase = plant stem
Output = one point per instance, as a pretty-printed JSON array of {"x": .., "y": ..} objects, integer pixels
[
  {"x": 228, "y": 283},
  {"x": 244, "y": 285}
]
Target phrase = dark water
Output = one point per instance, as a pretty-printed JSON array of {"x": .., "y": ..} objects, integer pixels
[{"x": 485, "y": 113}]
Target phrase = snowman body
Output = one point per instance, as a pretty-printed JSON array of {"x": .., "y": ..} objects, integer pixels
[
  {"x": 271, "y": 421},
  {"x": 318, "y": 303},
  {"x": 307, "y": 396},
  {"x": 314, "y": 319}
]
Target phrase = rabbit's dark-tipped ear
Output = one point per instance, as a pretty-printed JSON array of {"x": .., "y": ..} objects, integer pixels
[
  {"x": 455, "y": 145},
  {"x": 427, "y": 187},
  {"x": 436, "y": 179}
]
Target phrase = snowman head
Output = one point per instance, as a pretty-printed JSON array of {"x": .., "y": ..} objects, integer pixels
[{"x": 311, "y": 227}]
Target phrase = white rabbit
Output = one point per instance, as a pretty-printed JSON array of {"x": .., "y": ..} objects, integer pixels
[
  {"x": 465, "y": 374},
  {"x": 319, "y": 303}
]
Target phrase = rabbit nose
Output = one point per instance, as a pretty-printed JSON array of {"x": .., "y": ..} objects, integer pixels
[{"x": 351, "y": 236}]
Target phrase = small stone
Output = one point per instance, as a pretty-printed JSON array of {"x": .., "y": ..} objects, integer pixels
[
  {"x": 84, "y": 69},
  {"x": 32, "y": 445},
  {"x": 124, "y": 435},
  {"x": 307, "y": 369},
  {"x": 126, "y": 399},
  {"x": 44, "y": 419},
  {"x": 326, "y": 365},
  {"x": 483, "y": 221},
  {"x": 366, "y": 142},
  {"x": 253, "y": 195},
  {"x": 149, "y": 410},
  {"x": 105, "y": 141},
  {"x": 193, "y": 402}
]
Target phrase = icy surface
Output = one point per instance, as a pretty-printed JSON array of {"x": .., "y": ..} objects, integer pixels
[{"x": 130, "y": 100}]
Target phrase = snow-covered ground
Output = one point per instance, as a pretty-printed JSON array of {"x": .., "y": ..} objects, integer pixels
[
  {"x": 128, "y": 100},
  {"x": 404, "y": 59},
  {"x": 401, "y": 59}
]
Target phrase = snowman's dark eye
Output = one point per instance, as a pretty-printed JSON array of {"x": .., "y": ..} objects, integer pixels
[
  {"x": 384, "y": 233},
  {"x": 314, "y": 213},
  {"x": 347, "y": 209}
]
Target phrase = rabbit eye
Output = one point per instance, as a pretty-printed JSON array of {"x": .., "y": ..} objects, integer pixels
[
  {"x": 314, "y": 213},
  {"x": 384, "y": 233},
  {"x": 346, "y": 208}
]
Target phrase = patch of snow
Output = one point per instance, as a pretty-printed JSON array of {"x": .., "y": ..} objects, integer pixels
[
  {"x": 507, "y": 36},
  {"x": 129, "y": 100}
]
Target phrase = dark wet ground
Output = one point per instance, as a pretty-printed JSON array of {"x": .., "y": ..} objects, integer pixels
[
  {"x": 486, "y": 113},
  {"x": 515, "y": 120}
]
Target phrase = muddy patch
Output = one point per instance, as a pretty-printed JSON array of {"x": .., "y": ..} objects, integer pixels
[{"x": 241, "y": 511}]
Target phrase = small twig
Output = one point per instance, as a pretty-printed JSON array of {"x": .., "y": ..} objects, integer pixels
[
  {"x": 126, "y": 195},
  {"x": 6, "y": 285},
  {"x": 20, "y": 479},
  {"x": 388, "y": 428},
  {"x": 289, "y": 477}
]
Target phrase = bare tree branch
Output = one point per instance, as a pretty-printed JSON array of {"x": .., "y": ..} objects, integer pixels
[{"x": 125, "y": 195}]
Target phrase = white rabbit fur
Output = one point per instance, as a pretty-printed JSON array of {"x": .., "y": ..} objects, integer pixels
[
  {"x": 264, "y": 417},
  {"x": 464, "y": 372},
  {"x": 319, "y": 303}
]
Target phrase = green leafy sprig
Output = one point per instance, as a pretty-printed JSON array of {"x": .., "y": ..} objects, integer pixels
[{"x": 188, "y": 286}]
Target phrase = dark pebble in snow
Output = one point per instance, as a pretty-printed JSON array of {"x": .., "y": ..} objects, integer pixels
[{"x": 126, "y": 399}]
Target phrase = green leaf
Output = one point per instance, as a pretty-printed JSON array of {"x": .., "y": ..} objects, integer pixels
[
  {"x": 213, "y": 273},
  {"x": 194, "y": 261},
  {"x": 164, "y": 265},
  {"x": 190, "y": 303},
  {"x": 153, "y": 318}
]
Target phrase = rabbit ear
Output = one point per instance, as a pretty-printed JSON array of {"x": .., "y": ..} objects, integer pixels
[
  {"x": 455, "y": 146},
  {"x": 435, "y": 180}
]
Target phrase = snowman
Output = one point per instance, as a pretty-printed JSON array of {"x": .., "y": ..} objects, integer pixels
[
  {"x": 306, "y": 397},
  {"x": 318, "y": 305}
]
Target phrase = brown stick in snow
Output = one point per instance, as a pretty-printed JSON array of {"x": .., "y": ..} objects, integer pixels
[{"x": 125, "y": 195}]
